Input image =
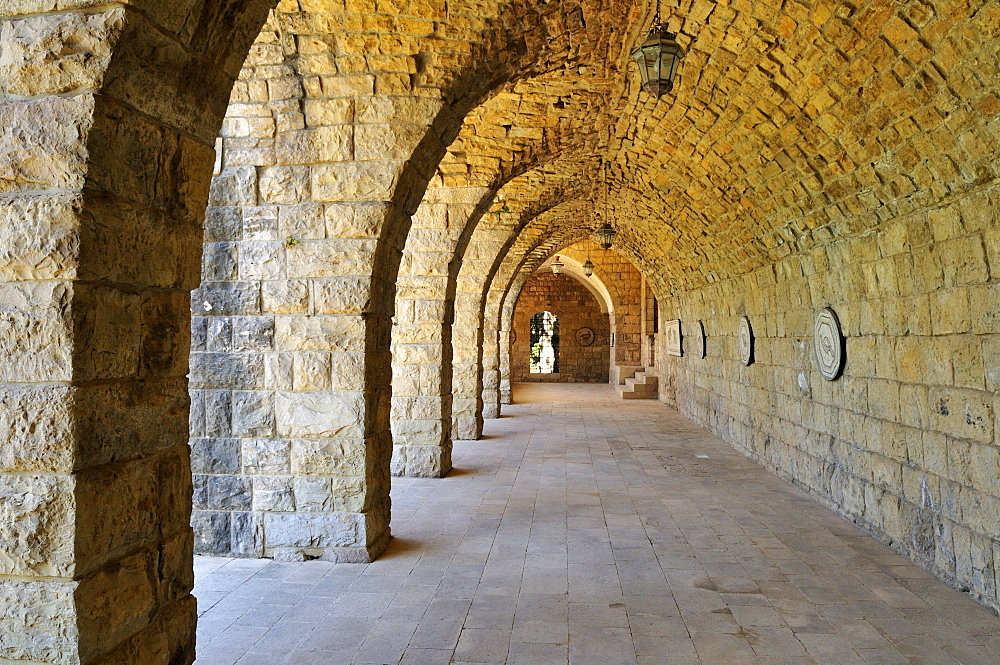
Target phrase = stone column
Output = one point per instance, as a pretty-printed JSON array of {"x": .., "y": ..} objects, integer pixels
[
  {"x": 422, "y": 345},
  {"x": 105, "y": 161},
  {"x": 291, "y": 367}
]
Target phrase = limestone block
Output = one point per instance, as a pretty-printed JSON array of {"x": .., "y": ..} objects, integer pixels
[
  {"x": 355, "y": 220},
  {"x": 116, "y": 602},
  {"x": 305, "y": 221},
  {"x": 313, "y": 494},
  {"x": 39, "y": 237},
  {"x": 319, "y": 414},
  {"x": 353, "y": 181},
  {"x": 35, "y": 331},
  {"x": 219, "y": 334},
  {"x": 219, "y": 261},
  {"x": 312, "y": 371},
  {"x": 328, "y": 111},
  {"x": 42, "y": 628},
  {"x": 36, "y": 525},
  {"x": 284, "y": 184},
  {"x": 319, "y": 145},
  {"x": 247, "y": 535},
  {"x": 59, "y": 53},
  {"x": 229, "y": 492},
  {"x": 273, "y": 494},
  {"x": 253, "y": 413},
  {"x": 252, "y": 333},
  {"x": 226, "y": 299},
  {"x": 38, "y": 425},
  {"x": 223, "y": 224},
  {"x": 330, "y": 258},
  {"x": 227, "y": 370},
  {"x": 260, "y": 222},
  {"x": 108, "y": 331},
  {"x": 43, "y": 145},
  {"x": 326, "y": 333},
  {"x": 348, "y": 371},
  {"x": 235, "y": 186},
  {"x": 345, "y": 295},
  {"x": 313, "y": 530},
  {"x": 266, "y": 456},
  {"x": 339, "y": 457},
  {"x": 261, "y": 260},
  {"x": 218, "y": 412},
  {"x": 215, "y": 455},
  {"x": 382, "y": 141},
  {"x": 285, "y": 296},
  {"x": 278, "y": 371}
]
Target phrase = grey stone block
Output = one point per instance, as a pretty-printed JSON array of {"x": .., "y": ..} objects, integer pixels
[
  {"x": 196, "y": 416},
  {"x": 199, "y": 498},
  {"x": 215, "y": 456},
  {"x": 273, "y": 494},
  {"x": 223, "y": 223},
  {"x": 266, "y": 456},
  {"x": 199, "y": 334},
  {"x": 220, "y": 334},
  {"x": 247, "y": 535},
  {"x": 229, "y": 492},
  {"x": 233, "y": 371},
  {"x": 253, "y": 413},
  {"x": 218, "y": 413},
  {"x": 218, "y": 261},
  {"x": 226, "y": 299},
  {"x": 211, "y": 532},
  {"x": 253, "y": 333}
]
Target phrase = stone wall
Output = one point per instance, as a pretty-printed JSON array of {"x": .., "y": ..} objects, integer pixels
[
  {"x": 907, "y": 442},
  {"x": 575, "y": 308}
]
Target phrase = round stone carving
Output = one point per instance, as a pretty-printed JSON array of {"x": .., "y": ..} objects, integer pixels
[
  {"x": 699, "y": 340},
  {"x": 828, "y": 343},
  {"x": 585, "y": 336},
  {"x": 744, "y": 341}
]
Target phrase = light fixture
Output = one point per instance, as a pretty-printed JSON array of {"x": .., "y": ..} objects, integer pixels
[
  {"x": 658, "y": 58},
  {"x": 606, "y": 234},
  {"x": 588, "y": 268},
  {"x": 557, "y": 266}
]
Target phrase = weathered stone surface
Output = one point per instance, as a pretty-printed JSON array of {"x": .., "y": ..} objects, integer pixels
[
  {"x": 38, "y": 425},
  {"x": 313, "y": 531},
  {"x": 58, "y": 53},
  {"x": 43, "y": 145},
  {"x": 37, "y": 325},
  {"x": 41, "y": 237},
  {"x": 39, "y": 622},
  {"x": 36, "y": 525}
]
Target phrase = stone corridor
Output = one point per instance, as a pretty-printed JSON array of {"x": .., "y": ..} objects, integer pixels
[{"x": 586, "y": 530}]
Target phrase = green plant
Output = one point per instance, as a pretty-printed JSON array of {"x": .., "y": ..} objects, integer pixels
[{"x": 291, "y": 241}]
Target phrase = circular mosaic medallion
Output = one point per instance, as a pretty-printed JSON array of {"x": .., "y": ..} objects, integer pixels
[
  {"x": 585, "y": 336},
  {"x": 744, "y": 341},
  {"x": 699, "y": 340},
  {"x": 828, "y": 343}
]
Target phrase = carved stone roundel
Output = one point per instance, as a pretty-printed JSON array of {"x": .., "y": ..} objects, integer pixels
[
  {"x": 828, "y": 344},
  {"x": 585, "y": 336},
  {"x": 699, "y": 340},
  {"x": 744, "y": 341}
]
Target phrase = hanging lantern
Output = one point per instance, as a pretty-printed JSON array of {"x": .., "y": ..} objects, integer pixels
[
  {"x": 588, "y": 268},
  {"x": 606, "y": 235},
  {"x": 557, "y": 266},
  {"x": 658, "y": 58}
]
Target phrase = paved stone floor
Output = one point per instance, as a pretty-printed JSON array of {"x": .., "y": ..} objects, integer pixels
[{"x": 587, "y": 530}]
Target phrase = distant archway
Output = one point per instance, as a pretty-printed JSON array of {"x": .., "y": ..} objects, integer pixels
[{"x": 544, "y": 343}]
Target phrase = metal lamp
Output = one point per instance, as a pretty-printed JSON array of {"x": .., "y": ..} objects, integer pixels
[
  {"x": 658, "y": 58},
  {"x": 557, "y": 266},
  {"x": 606, "y": 235},
  {"x": 588, "y": 268}
]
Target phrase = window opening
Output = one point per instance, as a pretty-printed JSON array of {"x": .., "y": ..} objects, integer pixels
[{"x": 544, "y": 343}]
